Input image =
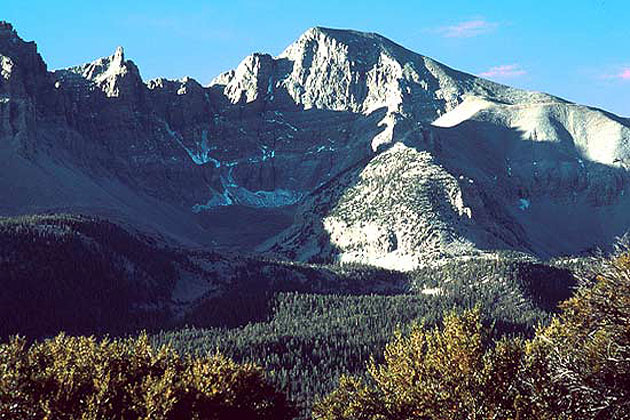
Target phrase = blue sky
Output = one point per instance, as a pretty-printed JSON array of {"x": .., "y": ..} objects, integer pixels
[{"x": 579, "y": 49}]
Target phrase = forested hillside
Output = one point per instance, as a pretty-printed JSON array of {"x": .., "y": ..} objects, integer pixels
[
  {"x": 84, "y": 274},
  {"x": 457, "y": 367},
  {"x": 80, "y": 274}
]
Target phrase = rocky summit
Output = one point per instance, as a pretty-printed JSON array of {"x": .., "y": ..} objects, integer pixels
[{"x": 345, "y": 147}]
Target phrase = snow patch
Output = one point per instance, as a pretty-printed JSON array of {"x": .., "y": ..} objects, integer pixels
[
  {"x": 217, "y": 200},
  {"x": 274, "y": 121},
  {"x": 270, "y": 85},
  {"x": 236, "y": 195},
  {"x": 201, "y": 156},
  {"x": 267, "y": 153},
  {"x": 265, "y": 199}
]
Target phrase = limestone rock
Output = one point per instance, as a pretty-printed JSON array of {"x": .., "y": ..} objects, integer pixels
[{"x": 346, "y": 146}]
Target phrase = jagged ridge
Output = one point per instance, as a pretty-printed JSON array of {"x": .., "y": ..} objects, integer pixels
[{"x": 278, "y": 131}]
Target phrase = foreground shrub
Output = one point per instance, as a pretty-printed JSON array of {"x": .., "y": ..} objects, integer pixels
[
  {"x": 576, "y": 368},
  {"x": 453, "y": 373},
  {"x": 83, "y": 378},
  {"x": 580, "y": 363}
]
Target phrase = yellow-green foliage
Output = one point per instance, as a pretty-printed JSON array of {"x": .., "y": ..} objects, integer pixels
[
  {"x": 576, "y": 368},
  {"x": 84, "y": 378},
  {"x": 580, "y": 363},
  {"x": 450, "y": 373}
]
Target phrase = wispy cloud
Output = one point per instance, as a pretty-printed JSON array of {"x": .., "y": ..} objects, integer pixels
[
  {"x": 505, "y": 71},
  {"x": 468, "y": 29},
  {"x": 623, "y": 74}
]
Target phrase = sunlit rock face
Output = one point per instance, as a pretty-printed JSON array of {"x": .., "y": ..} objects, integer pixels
[{"x": 344, "y": 147}]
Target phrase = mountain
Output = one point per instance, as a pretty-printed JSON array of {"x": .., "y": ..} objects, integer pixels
[{"x": 345, "y": 147}]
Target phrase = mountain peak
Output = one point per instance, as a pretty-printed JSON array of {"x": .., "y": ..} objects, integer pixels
[
  {"x": 113, "y": 74},
  {"x": 19, "y": 61},
  {"x": 392, "y": 156},
  {"x": 11, "y": 44},
  {"x": 103, "y": 67},
  {"x": 347, "y": 70},
  {"x": 343, "y": 34},
  {"x": 119, "y": 55},
  {"x": 6, "y": 28},
  {"x": 350, "y": 39}
]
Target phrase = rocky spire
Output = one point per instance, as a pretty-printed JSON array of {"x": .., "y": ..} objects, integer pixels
[
  {"x": 119, "y": 55},
  {"x": 21, "y": 66},
  {"x": 113, "y": 74},
  {"x": 6, "y": 29}
]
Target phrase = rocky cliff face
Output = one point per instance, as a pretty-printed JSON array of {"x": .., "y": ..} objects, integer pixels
[{"x": 386, "y": 156}]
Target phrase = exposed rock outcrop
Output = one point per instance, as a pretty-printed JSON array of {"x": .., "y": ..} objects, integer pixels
[{"x": 390, "y": 157}]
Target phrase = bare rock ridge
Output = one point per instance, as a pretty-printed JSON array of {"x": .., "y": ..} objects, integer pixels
[{"x": 346, "y": 147}]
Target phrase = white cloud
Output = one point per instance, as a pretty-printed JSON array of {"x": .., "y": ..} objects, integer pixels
[
  {"x": 623, "y": 74},
  {"x": 468, "y": 29},
  {"x": 504, "y": 71}
]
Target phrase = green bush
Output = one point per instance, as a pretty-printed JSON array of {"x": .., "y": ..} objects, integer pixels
[
  {"x": 580, "y": 363},
  {"x": 576, "y": 368},
  {"x": 455, "y": 372},
  {"x": 84, "y": 378}
]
